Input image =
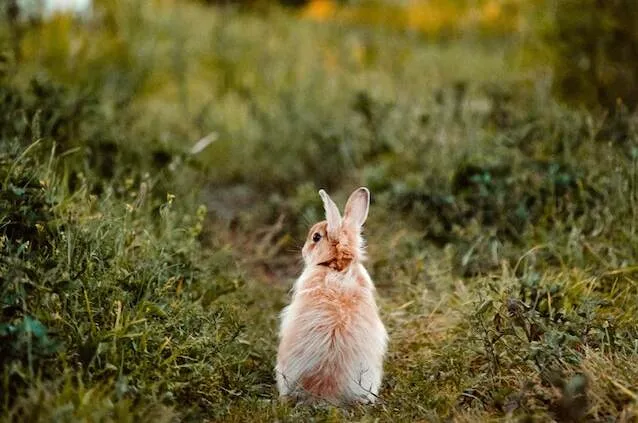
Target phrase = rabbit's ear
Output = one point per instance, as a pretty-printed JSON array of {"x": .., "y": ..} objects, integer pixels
[
  {"x": 356, "y": 211},
  {"x": 332, "y": 213}
]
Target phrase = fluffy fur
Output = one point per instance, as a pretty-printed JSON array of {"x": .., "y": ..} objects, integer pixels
[{"x": 332, "y": 340}]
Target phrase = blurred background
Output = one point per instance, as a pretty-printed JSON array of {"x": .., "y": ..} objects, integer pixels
[
  {"x": 338, "y": 91},
  {"x": 160, "y": 162}
]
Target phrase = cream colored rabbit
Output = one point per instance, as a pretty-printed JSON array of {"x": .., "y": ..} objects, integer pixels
[{"x": 332, "y": 341}]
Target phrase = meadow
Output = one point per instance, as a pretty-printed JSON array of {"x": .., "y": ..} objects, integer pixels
[{"x": 159, "y": 167}]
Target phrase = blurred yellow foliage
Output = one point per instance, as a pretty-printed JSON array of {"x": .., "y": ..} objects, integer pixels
[
  {"x": 430, "y": 17},
  {"x": 319, "y": 10},
  {"x": 63, "y": 46},
  {"x": 491, "y": 10}
]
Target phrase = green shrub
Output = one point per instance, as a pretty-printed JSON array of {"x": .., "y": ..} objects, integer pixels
[
  {"x": 595, "y": 52},
  {"x": 101, "y": 275}
]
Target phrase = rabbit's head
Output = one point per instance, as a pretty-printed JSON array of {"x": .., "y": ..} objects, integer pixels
[{"x": 336, "y": 242}]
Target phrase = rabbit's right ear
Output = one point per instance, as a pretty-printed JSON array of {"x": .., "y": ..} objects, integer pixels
[
  {"x": 332, "y": 214},
  {"x": 356, "y": 211}
]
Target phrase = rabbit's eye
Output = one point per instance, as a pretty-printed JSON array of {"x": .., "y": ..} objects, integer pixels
[{"x": 316, "y": 237}]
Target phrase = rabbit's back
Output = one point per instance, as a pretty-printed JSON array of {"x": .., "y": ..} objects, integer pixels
[{"x": 333, "y": 340}]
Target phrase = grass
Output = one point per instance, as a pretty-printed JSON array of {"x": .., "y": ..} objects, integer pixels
[{"x": 140, "y": 281}]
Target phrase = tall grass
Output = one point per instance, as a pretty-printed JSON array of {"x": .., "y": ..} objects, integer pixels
[{"x": 141, "y": 280}]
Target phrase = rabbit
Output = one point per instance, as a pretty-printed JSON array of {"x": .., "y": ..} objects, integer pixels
[{"x": 332, "y": 340}]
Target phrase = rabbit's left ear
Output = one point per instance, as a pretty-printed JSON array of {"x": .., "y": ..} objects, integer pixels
[
  {"x": 356, "y": 211},
  {"x": 332, "y": 214}
]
